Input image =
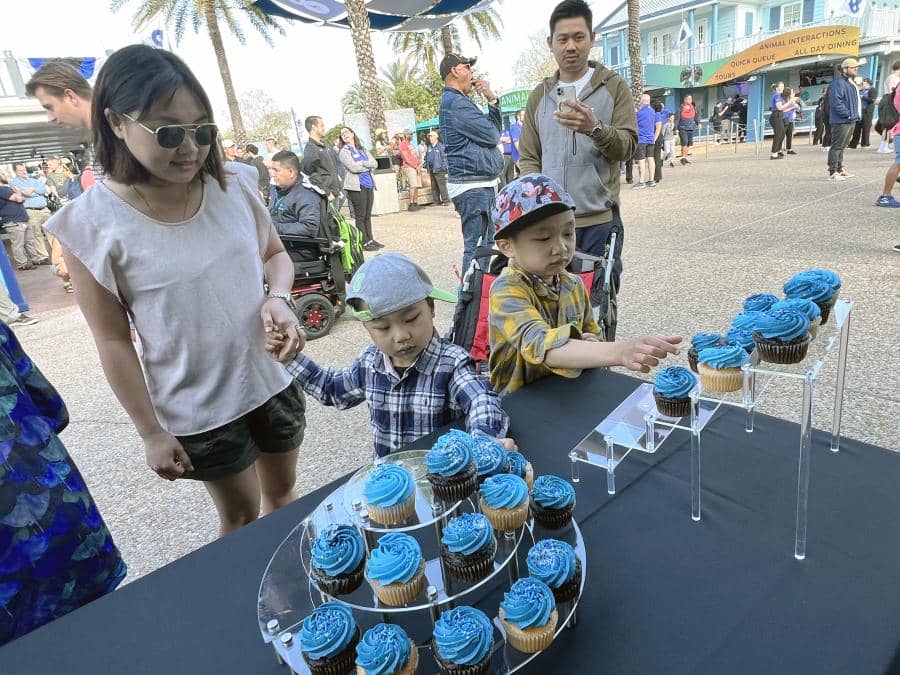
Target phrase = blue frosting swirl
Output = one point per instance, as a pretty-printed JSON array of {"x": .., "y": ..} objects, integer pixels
[
  {"x": 742, "y": 337},
  {"x": 327, "y": 631},
  {"x": 388, "y": 485},
  {"x": 808, "y": 285},
  {"x": 490, "y": 456},
  {"x": 746, "y": 320},
  {"x": 464, "y": 636},
  {"x": 703, "y": 340},
  {"x": 829, "y": 277},
  {"x": 783, "y": 325},
  {"x": 517, "y": 463},
  {"x": 504, "y": 491},
  {"x": 451, "y": 454},
  {"x": 759, "y": 302},
  {"x": 552, "y": 492},
  {"x": 551, "y": 561},
  {"x": 528, "y": 603},
  {"x": 729, "y": 356},
  {"x": 396, "y": 559},
  {"x": 802, "y": 305},
  {"x": 468, "y": 533},
  {"x": 675, "y": 382},
  {"x": 383, "y": 650},
  {"x": 338, "y": 550}
]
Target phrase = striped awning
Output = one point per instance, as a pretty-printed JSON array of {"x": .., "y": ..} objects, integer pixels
[{"x": 384, "y": 15}]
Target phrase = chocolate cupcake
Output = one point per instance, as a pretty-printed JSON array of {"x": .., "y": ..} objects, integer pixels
[
  {"x": 554, "y": 562},
  {"x": 720, "y": 368},
  {"x": 468, "y": 547},
  {"x": 529, "y": 617},
  {"x": 385, "y": 649},
  {"x": 782, "y": 336},
  {"x": 338, "y": 560},
  {"x": 328, "y": 639},
  {"x": 521, "y": 467},
  {"x": 390, "y": 494},
  {"x": 812, "y": 285},
  {"x": 804, "y": 306},
  {"x": 451, "y": 466},
  {"x": 396, "y": 569},
  {"x": 701, "y": 341},
  {"x": 504, "y": 500},
  {"x": 759, "y": 302},
  {"x": 463, "y": 640},
  {"x": 552, "y": 502},
  {"x": 672, "y": 391},
  {"x": 490, "y": 457}
]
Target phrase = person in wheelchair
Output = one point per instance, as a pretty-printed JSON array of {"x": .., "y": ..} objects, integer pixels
[{"x": 296, "y": 204}]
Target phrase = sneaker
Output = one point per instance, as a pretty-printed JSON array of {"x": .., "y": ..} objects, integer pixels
[
  {"x": 791, "y": 152},
  {"x": 897, "y": 248},
  {"x": 23, "y": 320},
  {"x": 778, "y": 156},
  {"x": 836, "y": 177},
  {"x": 638, "y": 186},
  {"x": 888, "y": 202},
  {"x": 376, "y": 244},
  {"x": 826, "y": 148},
  {"x": 845, "y": 174},
  {"x": 68, "y": 287},
  {"x": 413, "y": 207},
  {"x": 883, "y": 148},
  {"x": 683, "y": 161},
  {"x": 651, "y": 183},
  {"x": 42, "y": 261},
  {"x": 369, "y": 246},
  {"x": 27, "y": 267}
]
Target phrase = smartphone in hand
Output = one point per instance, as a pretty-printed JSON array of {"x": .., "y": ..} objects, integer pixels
[{"x": 564, "y": 91}]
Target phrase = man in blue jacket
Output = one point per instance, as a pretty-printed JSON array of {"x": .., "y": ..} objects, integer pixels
[
  {"x": 473, "y": 160},
  {"x": 844, "y": 113}
]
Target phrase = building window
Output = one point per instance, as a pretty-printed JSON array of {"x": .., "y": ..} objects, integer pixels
[
  {"x": 748, "y": 24},
  {"x": 614, "y": 55},
  {"x": 654, "y": 47},
  {"x": 791, "y": 15},
  {"x": 700, "y": 33},
  {"x": 667, "y": 43}
]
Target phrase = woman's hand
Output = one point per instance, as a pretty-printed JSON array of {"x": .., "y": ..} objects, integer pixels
[
  {"x": 166, "y": 456},
  {"x": 276, "y": 315}
]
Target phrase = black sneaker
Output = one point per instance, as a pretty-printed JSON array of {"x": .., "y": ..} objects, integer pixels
[
  {"x": 376, "y": 244},
  {"x": 42, "y": 261},
  {"x": 791, "y": 152},
  {"x": 27, "y": 267}
]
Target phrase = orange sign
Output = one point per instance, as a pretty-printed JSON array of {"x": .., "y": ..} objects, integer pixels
[{"x": 832, "y": 40}]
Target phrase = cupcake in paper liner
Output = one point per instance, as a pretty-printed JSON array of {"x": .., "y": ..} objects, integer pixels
[
  {"x": 328, "y": 639},
  {"x": 468, "y": 547},
  {"x": 521, "y": 467},
  {"x": 390, "y": 494},
  {"x": 555, "y": 563},
  {"x": 528, "y": 614},
  {"x": 463, "y": 641},
  {"x": 672, "y": 391},
  {"x": 552, "y": 502},
  {"x": 720, "y": 368},
  {"x": 816, "y": 286},
  {"x": 451, "y": 466},
  {"x": 385, "y": 649},
  {"x": 804, "y": 306},
  {"x": 504, "y": 501},
  {"x": 338, "y": 559},
  {"x": 782, "y": 336},
  {"x": 701, "y": 341},
  {"x": 396, "y": 569},
  {"x": 490, "y": 457}
]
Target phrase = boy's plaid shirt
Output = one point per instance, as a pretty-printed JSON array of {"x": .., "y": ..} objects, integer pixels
[{"x": 441, "y": 386}]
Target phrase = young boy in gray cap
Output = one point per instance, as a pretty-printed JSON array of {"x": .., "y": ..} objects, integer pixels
[
  {"x": 413, "y": 380},
  {"x": 540, "y": 319}
]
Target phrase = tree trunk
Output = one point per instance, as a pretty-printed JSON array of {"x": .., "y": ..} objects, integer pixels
[
  {"x": 215, "y": 36},
  {"x": 446, "y": 39},
  {"x": 634, "y": 50},
  {"x": 365, "y": 63}
]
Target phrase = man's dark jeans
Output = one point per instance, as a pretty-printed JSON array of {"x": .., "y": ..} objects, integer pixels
[
  {"x": 592, "y": 240},
  {"x": 474, "y": 208},
  {"x": 840, "y": 136}
]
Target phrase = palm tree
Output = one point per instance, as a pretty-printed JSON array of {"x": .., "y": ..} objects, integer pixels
[
  {"x": 430, "y": 46},
  {"x": 398, "y": 72},
  {"x": 210, "y": 13},
  {"x": 365, "y": 61},
  {"x": 634, "y": 50}
]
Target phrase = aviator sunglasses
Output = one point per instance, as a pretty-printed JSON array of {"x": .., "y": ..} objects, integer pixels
[{"x": 172, "y": 135}]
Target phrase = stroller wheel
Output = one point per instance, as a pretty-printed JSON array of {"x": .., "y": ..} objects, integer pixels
[{"x": 315, "y": 313}]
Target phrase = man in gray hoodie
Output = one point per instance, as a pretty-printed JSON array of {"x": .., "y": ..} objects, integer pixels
[{"x": 580, "y": 142}]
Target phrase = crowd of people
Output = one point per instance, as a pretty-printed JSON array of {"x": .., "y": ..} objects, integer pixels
[{"x": 221, "y": 400}]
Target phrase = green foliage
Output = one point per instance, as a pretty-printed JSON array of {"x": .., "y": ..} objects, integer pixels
[
  {"x": 332, "y": 135},
  {"x": 263, "y": 118},
  {"x": 416, "y": 90}
]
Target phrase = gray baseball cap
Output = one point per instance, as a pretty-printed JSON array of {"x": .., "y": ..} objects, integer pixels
[{"x": 389, "y": 282}]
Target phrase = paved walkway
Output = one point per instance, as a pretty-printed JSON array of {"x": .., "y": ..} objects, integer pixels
[{"x": 708, "y": 236}]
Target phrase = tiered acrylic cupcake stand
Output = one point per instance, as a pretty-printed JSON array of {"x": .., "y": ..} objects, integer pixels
[
  {"x": 288, "y": 594},
  {"x": 637, "y": 425}
]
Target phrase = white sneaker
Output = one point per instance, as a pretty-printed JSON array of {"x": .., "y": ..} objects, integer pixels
[
  {"x": 883, "y": 148},
  {"x": 846, "y": 174},
  {"x": 826, "y": 148},
  {"x": 836, "y": 177}
]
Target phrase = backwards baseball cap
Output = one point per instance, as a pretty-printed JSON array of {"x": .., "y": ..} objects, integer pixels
[
  {"x": 390, "y": 282},
  {"x": 849, "y": 63},
  {"x": 526, "y": 200},
  {"x": 451, "y": 61}
]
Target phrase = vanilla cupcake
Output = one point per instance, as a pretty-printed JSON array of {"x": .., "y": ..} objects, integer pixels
[
  {"x": 390, "y": 494},
  {"x": 529, "y": 617},
  {"x": 504, "y": 500},
  {"x": 720, "y": 368}
]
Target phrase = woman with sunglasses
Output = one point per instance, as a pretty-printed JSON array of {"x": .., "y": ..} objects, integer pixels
[
  {"x": 359, "y": 184},
  {"x": 180, "y": 245}
]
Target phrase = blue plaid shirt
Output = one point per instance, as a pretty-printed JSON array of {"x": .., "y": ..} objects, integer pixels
[{"x": 440, "y": 387}]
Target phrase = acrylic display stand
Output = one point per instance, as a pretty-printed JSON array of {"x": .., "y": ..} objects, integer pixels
[
  {"x": 288, "y": 594},
  {"x": 636, "y": 425}
]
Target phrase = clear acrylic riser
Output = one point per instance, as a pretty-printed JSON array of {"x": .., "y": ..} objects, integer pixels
[
  {"x": 287, "y": 593},
  {"x": 636, "y": 424}
]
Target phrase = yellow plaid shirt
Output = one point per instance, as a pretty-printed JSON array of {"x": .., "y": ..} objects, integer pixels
[{"x": 527, "y": 318}]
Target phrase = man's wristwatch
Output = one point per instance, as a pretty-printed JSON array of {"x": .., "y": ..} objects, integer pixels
[
  {"x": 597, "y": 131},
  {"x": 284, "y": 295}
]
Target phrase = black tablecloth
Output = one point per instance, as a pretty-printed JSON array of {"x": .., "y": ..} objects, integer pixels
[{"x": 663, "y": 593}]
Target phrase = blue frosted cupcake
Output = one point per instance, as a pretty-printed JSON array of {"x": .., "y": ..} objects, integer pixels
[
  {"x": 463, "y": 640},
  {"x": 759, "y": 302},
  {"x": 490, "y": 457},
  {"x": 528, "y": 614},
  {"x": 390, "y": 494},
  {"x": 816, "y": 285},
  {"x": 338, "y": 559},
  {"x": 504, "y": 500},
  {"x": 746, "y": 320},
  {"x": 701, "y": 341},
  {"x": 554, "y": 562},
  {"x": 552, "y": 502},
  {"x": 328, "y": 639},
  {"x": 521, "y": 467},
  {"x": 804, "y": 306},
  {"x": 782, "y": 336},
  {"x": 720, "y": 368},
  {"x": 742, "y": 337},
  {"x": 396, "y": 569},
  {"x": 385, "y": 649},
  {"x": 672, "y": 391},
  {"x": 468, "y": 547},
  {"x": 451, "y": 466}
]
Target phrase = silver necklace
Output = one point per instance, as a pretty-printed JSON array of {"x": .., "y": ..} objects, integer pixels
[{"x": 154, "y": 212}]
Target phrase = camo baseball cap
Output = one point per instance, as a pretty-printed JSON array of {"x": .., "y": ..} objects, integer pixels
[{"x": 526, "y": 200}]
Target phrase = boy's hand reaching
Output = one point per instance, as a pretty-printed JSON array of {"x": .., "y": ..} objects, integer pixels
[{"x": 645, "y": 353}]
